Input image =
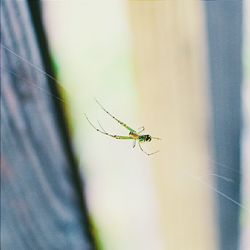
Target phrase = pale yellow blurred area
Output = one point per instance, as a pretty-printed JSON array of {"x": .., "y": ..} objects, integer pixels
[
  {"x": 169, "y": 47},
  {"x": 146, "y": 62}
]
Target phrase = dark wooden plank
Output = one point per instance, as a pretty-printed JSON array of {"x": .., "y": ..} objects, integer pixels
[
  {"x": 42, "y": 205},
  {"x": 224, "y": 23}
]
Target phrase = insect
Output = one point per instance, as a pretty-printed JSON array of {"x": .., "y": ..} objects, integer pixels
[{"x": 133, "y": 134}]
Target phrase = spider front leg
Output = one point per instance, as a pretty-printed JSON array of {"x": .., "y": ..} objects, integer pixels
[
  {"x": 142, "y": 129},
  {"x": 146, "y": 152}
]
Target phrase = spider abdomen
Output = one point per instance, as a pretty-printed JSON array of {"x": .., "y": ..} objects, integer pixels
[{"x": 134, "y": 135}]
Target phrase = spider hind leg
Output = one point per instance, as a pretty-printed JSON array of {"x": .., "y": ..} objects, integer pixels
[{"x": 120, "y": 137}]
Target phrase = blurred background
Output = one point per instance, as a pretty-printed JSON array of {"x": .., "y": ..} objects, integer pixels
[{"x": 181, "y": 69}]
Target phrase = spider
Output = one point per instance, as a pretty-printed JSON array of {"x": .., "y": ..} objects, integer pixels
[{"x": 133, "y": 134}]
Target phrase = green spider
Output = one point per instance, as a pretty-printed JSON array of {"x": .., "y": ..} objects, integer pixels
[{"x": 133, "y": 134}]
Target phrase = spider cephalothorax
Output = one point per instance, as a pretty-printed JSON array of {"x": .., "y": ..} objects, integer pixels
[{"x": 144, "y": 138}]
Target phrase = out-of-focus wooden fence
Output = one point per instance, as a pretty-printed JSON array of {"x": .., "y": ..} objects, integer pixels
[
  {"x": 42, "y": 202},
  {"x": 225, "y": 36},
  {"x": 172, "y": 53}
]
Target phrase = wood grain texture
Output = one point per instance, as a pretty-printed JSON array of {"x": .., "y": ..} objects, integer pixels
[{"x": 42, "y": 205}]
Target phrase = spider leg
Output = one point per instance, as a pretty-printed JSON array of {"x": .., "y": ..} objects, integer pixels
[
  {"x": 122, "y": 123},
  {"x": 142, "y": 129},
  {"x": 146, "y": 152},
  {"x": 121, "y": 137},
  {"x": 156, "y": 138},
  {"x": 101, "y": 127},
  {"x": 134, "y": 143}
]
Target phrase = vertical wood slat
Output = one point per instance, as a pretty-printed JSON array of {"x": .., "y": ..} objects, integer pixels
[
  {"x": 225, "y": 54},
  {"x": 169, "y": 53},
  {"x": 41, "y": 196}
]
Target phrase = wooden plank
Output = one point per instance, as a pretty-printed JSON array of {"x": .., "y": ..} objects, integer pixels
[
  {"x": 169, "y": 53},
  {"x": 225, "y": 54},
  {"x": 42, "y": 205}
]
